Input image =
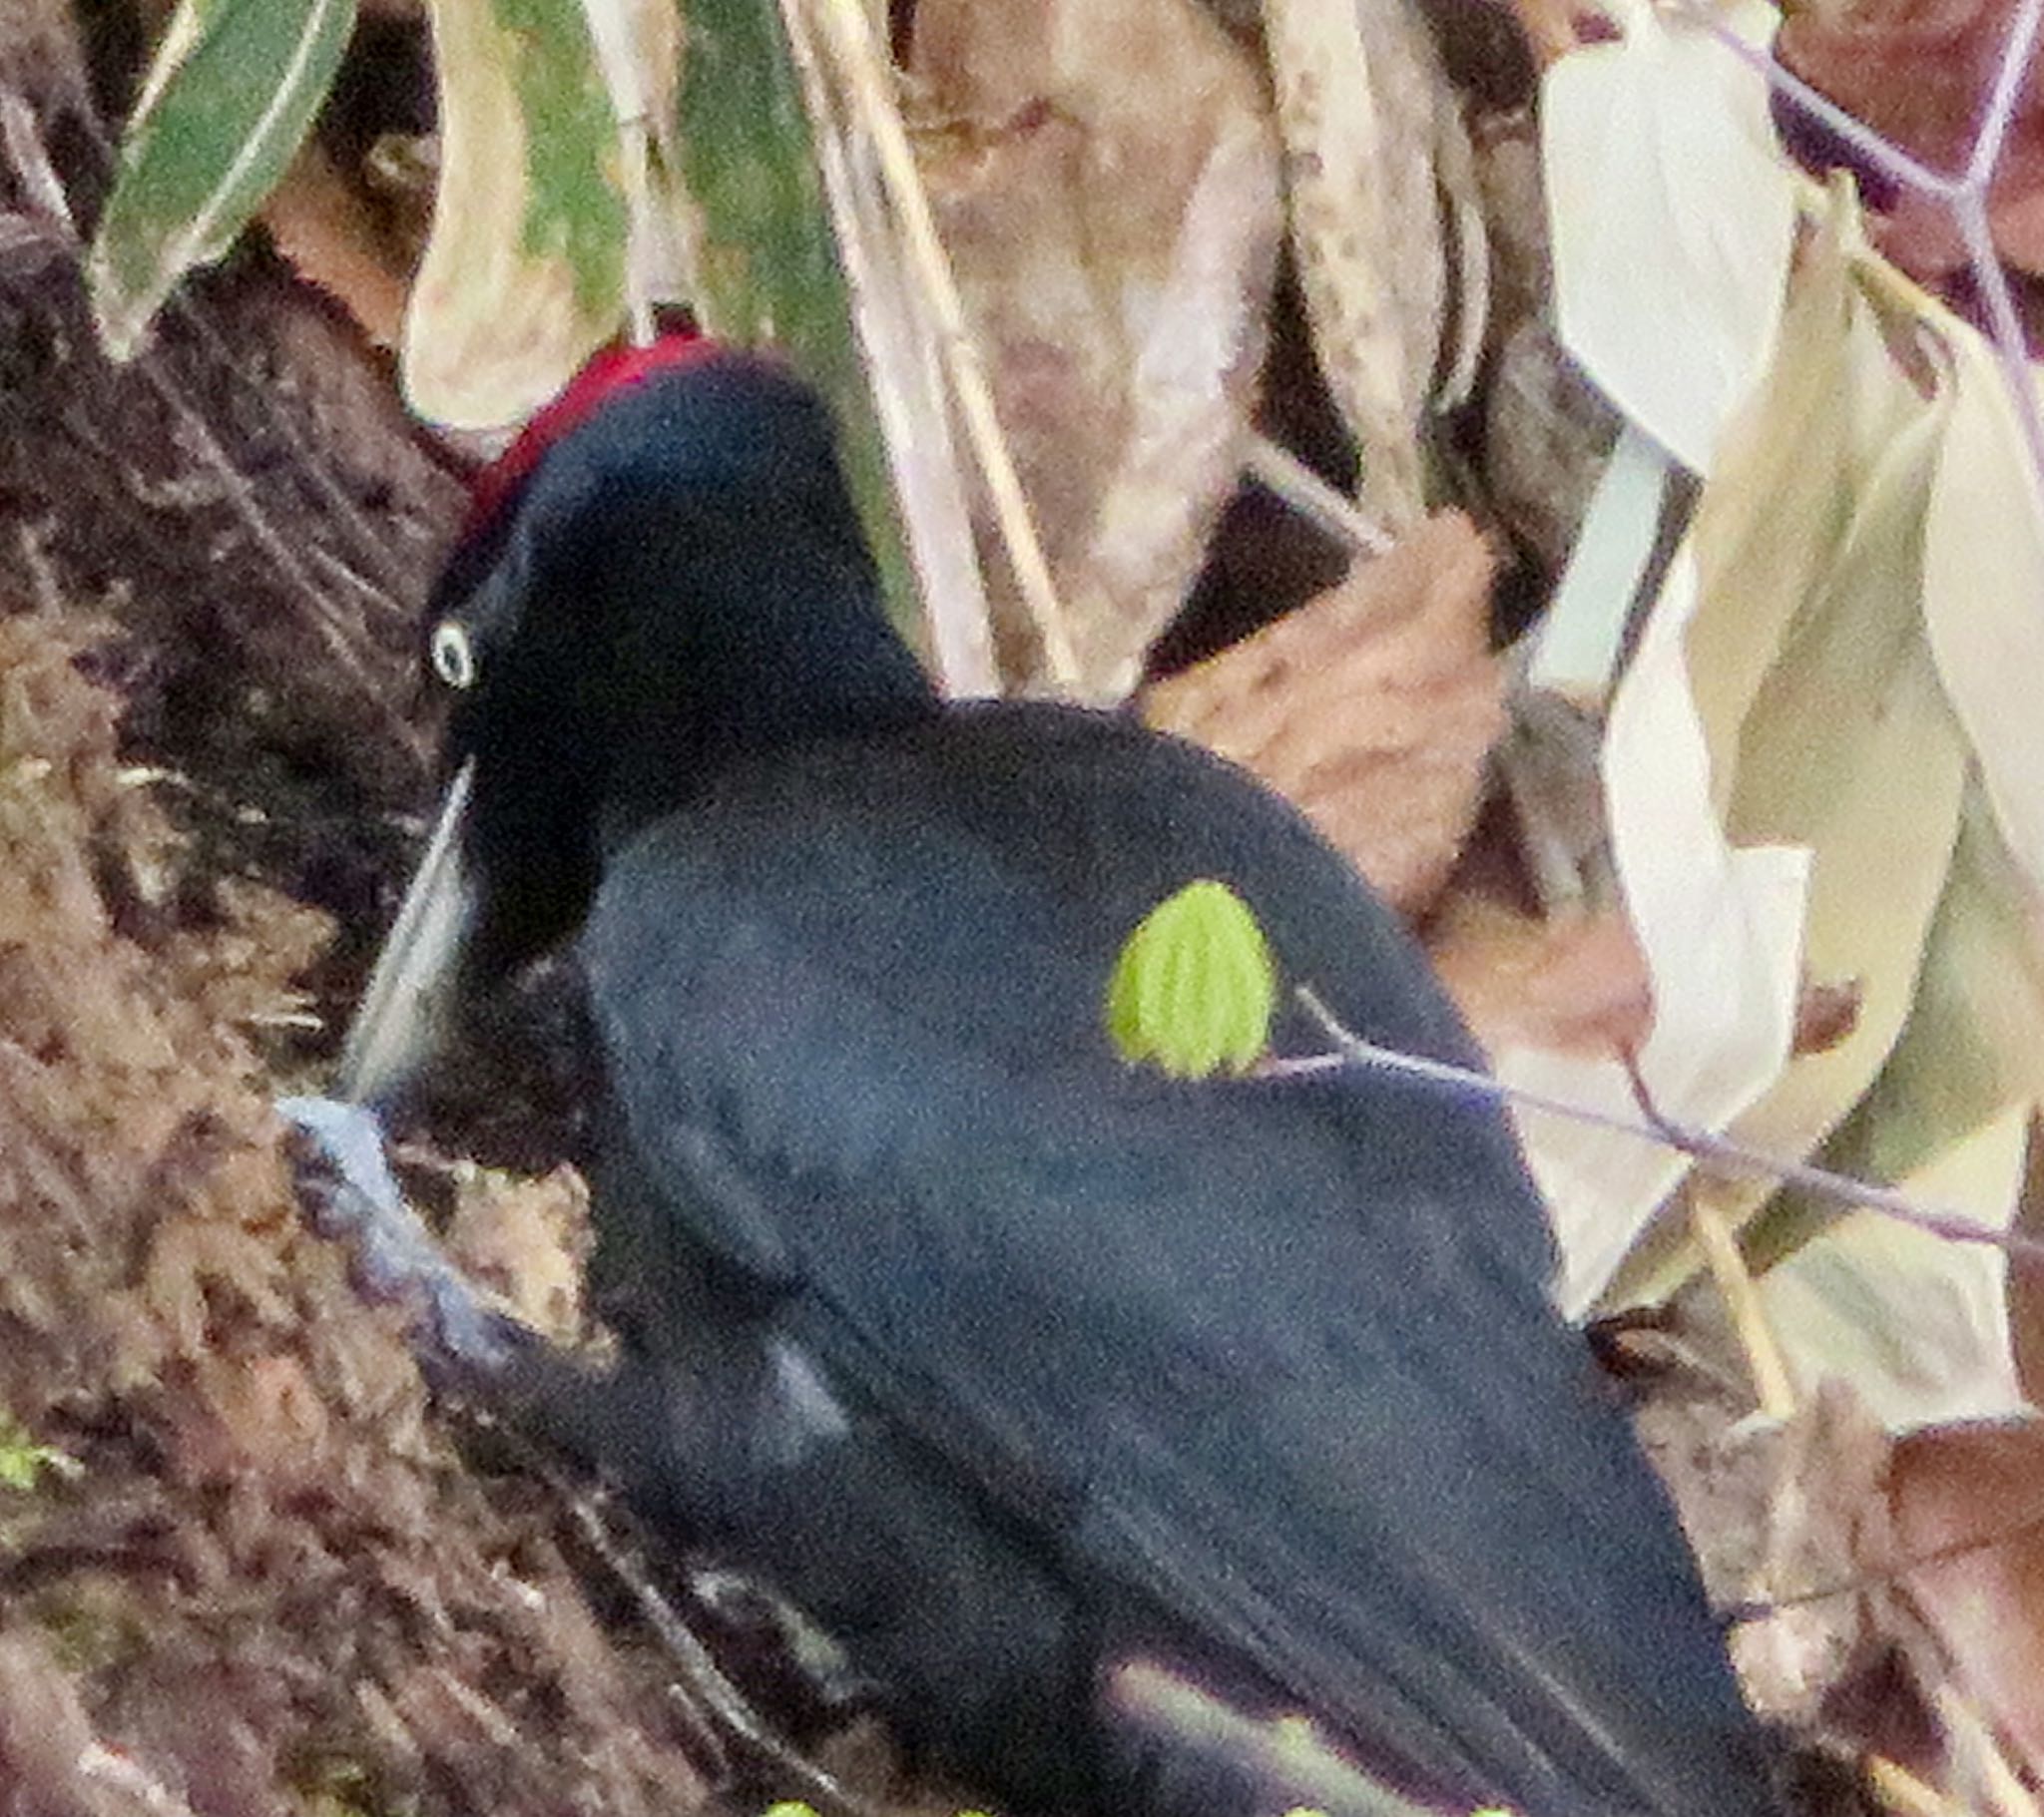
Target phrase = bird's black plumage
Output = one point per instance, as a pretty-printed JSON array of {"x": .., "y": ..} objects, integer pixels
[{"x": 1011, "y": 1362}]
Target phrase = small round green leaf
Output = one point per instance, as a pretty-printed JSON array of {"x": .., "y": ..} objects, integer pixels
[{"x": 1195, "y": 987}]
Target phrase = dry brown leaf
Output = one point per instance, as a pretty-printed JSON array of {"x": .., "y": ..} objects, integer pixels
[
  {"x": 1372, "y": 133},
  {"x": 1373, "y": 707},
  {"x": 1114, "y": 243},
  {"x": 1969, "y": 1500},
  {"x": 1572, "y": 986}
]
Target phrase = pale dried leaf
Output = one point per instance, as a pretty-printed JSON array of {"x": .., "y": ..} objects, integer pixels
[
  {"x": 1114, "y": 243},
  {"x": 1363, "y": 108},
  {"x": 1673, "y": 216},
  {"x": 1877, "y": 795},
  {"x": 1983, "y": 592},
  {"x": 1818, "y": 726},
  {"x": 1722, "y": 931},
  {"x": 1794, "y": 459},
  {"x": 1915, "y": 1322},
  {"x": 1373, "y": 707}
]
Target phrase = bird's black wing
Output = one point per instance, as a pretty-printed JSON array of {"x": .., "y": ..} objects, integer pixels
[{"x": 1281, "y": 1349}]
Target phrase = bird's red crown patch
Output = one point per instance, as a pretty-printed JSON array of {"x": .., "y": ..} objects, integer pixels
[{"x": 608, "y": 371}]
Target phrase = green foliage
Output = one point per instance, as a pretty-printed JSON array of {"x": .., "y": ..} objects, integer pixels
[
  {"x": 230, "y": 99},
  {"x": 794, "y": 1807},
  {"x": 1194, "y": 987},
  {"x": 335, "y": 1785},
  {"x": 24, "y": 1463},
  {"x": 574, "y": 210},
  {"x": 769, "y": 266}
]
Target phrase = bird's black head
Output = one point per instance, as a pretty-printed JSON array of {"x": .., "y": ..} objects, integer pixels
[
  {"x": 663, "y": 573},
  {"x": 666, "y": 571}
]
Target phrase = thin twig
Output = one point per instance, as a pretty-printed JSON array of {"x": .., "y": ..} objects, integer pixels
[
  {"x": 350, "y": 577},
  {"x": 1285, "y": 476},
  {"x": 1965, "y": 196},
  {"x": 2010, "y": 351},
  {"x": 1774, "y": 1384},
  {"x": 1716, "y": 1153},
  {"x": 907, "y": 391},
  {"x": 862, "y": 71},
  {"x": 1887, "y": 1577},
  {"x": 240, "y": 496},
  {"x": 1890, "y": 159},
  {"x": 704, "y": 1678},
  {"x": 2001, "y": 106}
]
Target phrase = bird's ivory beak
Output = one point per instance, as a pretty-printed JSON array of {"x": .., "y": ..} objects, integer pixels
[{"x": 404, "y": 1014}]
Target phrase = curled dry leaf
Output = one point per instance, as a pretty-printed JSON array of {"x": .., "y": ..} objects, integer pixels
[
  {"x": 1970, "y": 1501},
  {"x": 1789, "y": 649},
  {"x": 1373, "y": 137},
  {"x": 1373, "y": 707},
  {"x": 1719, "y": 929},
  {"x": 1115, "y": 244}
]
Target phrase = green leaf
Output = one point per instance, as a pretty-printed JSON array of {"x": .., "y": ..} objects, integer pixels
[
  {"x": 768, "y": 258},
  {"x": 1194, "y": 987},
  {"x": 24, "y": 1463},
  {"x": 228, "y": 100},
  {"x": 524, "y": 275},
  {"x": 574, "y": 207}
]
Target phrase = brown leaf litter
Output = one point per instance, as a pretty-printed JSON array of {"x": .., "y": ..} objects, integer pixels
[
  {"x": 1116, "y": 245},
  {"x": 268, "y": 1577},
  {"x": 1374, "y": 708}
]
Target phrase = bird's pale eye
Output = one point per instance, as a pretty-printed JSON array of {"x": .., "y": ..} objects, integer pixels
[{"x": 452, "y": 655}]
